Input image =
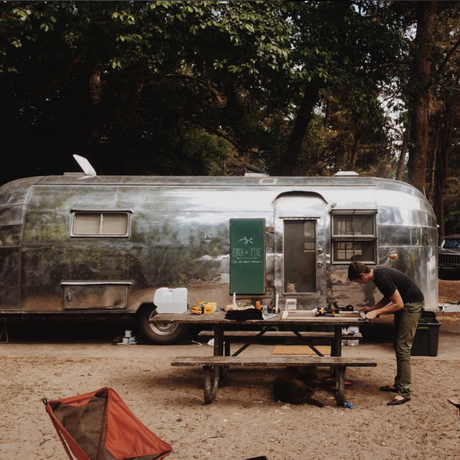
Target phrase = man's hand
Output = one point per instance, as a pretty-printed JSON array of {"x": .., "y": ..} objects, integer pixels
[
  {"x": 365, "y": 309},
  {"x": 372, "y": 314}
]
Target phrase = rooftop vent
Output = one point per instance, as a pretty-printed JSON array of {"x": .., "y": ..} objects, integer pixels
[
  {"x": 85, "y": 165},
  {"x": 346, "y": 173}
]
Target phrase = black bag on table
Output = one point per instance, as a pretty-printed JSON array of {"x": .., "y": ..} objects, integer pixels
[{"x": 243, "y": 315}]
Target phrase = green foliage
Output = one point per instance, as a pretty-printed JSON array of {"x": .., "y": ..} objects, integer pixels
[
  {"x": 123, "y": 82},
  {"x": 205, "y": 87}
]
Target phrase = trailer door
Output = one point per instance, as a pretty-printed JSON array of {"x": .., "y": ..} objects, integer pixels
[
  {"x": 300, "y": 246},
  {"x": 299, "y": 253}
]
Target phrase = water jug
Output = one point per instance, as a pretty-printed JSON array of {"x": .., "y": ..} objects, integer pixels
[{"x": 171, "y": 300}]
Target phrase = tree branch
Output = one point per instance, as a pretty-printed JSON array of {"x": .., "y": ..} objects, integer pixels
[
  {"x": 222, "y": 135},
  {"x": 448, "y": 55},
  {"x": 208, "y": 88}
]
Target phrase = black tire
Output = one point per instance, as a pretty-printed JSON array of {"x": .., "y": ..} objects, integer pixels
[{"x": 159, "y": 334}]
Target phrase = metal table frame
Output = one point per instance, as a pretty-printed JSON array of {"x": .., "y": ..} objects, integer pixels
[{"x": 219, "y": 325}]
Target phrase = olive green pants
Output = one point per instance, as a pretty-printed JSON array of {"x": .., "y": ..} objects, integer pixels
[{"x": 405, "y": 322}]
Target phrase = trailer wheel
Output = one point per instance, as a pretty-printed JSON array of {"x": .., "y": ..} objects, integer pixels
[{"x": 159, "y": 334}]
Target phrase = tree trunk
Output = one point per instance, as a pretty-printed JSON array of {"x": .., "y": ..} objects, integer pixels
[
  {"x": 141, "y": 69},
  {"x": 402, "y": 156},
  {"x": 442, "y": 170},
  {"x": 432, "y": 181},
  {"x": 95, "y": 89},
  {"x": 302, "y": 121},
  {"x": 355, "y": 152},
  {"x": 327, "y": 114},
  {"x": 426, "y": 13},
  {"x": 305, "y": 114}
]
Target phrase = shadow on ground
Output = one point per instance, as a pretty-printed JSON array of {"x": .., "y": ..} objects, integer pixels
[
  {"x": 66, "y": 330},
  {"x": 381, "y": 332},
  {"x": 106, "y": 329}
]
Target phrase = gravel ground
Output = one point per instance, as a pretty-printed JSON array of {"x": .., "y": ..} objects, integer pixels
[{"x": 45, "y": 360}]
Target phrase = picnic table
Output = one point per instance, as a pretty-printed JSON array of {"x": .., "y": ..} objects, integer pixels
[{"x": 215, "y": 367}]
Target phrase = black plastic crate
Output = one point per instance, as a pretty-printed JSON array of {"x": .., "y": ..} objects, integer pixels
[
  {"x": 428, "y": 314},
  {"x": 426, "y": 338}
]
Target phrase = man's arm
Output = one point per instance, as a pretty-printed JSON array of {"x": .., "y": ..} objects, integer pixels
[
  {"x": 379, "y": 304},
  {"x": 385, "y": 306}
]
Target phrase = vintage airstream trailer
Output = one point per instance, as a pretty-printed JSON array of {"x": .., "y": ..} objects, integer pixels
[{"x": 104, "y": 244}]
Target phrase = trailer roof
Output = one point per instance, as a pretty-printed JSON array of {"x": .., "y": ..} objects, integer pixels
[
  {"x": 82, "y": 179},
  {"x": 286, "y": 182}
]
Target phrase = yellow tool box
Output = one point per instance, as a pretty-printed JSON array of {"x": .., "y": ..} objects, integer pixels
[
  {"x": 204, "y": 308},
  {"x": 210, "y": 308}
]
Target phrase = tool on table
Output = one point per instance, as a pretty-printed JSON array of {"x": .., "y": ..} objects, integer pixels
[
  {"x": 204, "y": 308},
  {"x": 332, "y": 308},
  {"x": 198, "y": 309},
  {"x": 320, "y": 312},
  {"x": 210, "y": 308}
]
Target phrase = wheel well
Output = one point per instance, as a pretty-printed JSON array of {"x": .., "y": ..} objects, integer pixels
[{"x": 144, "y": 306}]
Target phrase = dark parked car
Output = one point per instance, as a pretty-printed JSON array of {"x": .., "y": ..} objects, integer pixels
[{"x": 449, "y": 257}]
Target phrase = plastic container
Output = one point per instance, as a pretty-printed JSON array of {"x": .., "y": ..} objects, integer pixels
[
  {"x": 426, "y": 338},
  {"x": 344, "y": 341},
  {"x": 353, "y": 342},
  {"x": 171, "y": 300},
  {"x": 291, "y": 304}
]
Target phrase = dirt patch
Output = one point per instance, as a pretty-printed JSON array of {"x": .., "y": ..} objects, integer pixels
[
  {"x": 245, "y": 421},
  {"x": 449, "y": 291}
]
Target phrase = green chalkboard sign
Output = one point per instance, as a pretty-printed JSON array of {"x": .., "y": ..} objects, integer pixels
[{"x": 247, "y": 256}]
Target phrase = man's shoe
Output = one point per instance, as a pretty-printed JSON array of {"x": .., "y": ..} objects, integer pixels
[
  {"x": 397, "y": 401},
  {"x": 388, "y": 388}
]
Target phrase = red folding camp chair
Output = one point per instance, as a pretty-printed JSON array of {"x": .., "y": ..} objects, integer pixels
[{"x": 100, "y": 426}]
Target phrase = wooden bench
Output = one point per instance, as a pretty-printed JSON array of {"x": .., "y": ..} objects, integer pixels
[{"x": 212, "y": 364}]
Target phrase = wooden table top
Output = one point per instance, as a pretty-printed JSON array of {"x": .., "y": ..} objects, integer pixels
[{"x": 302, "y": 317}]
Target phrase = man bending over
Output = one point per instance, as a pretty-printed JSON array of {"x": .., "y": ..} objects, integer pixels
[{"x": 402, "y": 298}]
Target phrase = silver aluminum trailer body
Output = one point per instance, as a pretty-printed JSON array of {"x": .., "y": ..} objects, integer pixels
[{"x": 82, "y": 244}]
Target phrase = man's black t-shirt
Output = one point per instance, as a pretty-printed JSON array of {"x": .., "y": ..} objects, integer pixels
[{"x": 388, "y": 280}]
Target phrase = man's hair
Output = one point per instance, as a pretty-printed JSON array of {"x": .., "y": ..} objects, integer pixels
[{"x": 355, "y": 269}]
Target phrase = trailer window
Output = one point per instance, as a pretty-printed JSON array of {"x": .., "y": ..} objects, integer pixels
[
  {"x": 354, "y": 236},
  {"x": 114, "y": 224}
]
